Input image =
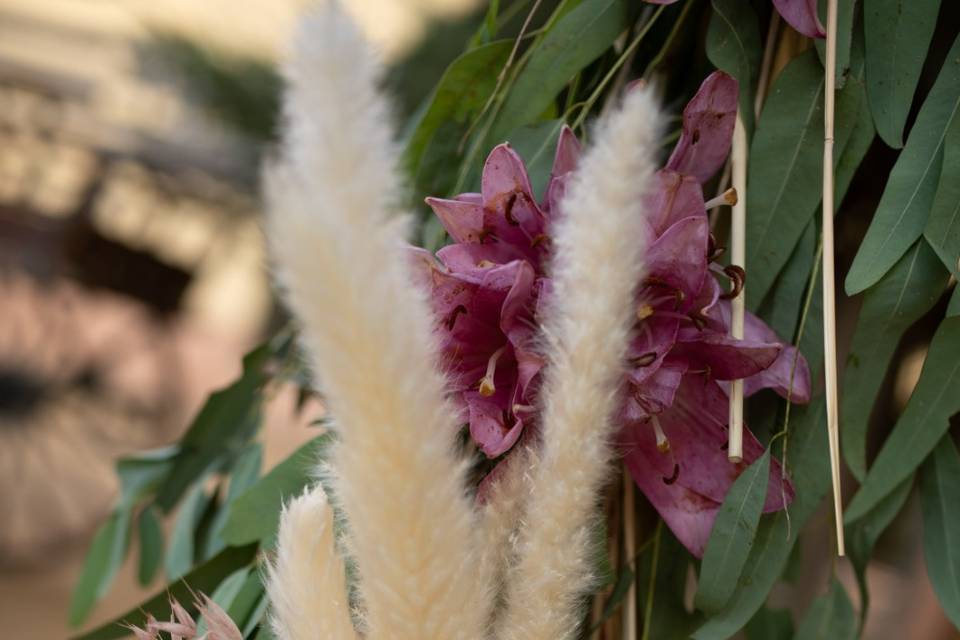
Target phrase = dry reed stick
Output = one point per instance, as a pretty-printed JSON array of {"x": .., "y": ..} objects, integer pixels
[
  {"x": 629, "y": 552},
  {"x": 829, "y": 295},
  {"x": 738, "y": 256}
]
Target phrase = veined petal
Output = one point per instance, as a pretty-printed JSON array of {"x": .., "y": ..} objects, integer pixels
[
  {"x": 488, "y": 427},
  {"x": 779, "y": 374},
  {"x": 679, "y": 255},
  {"x": 511, "y": 214},
  {"x": 473, "y": 261},
  {"x": 802, "y": 16},
  {"x": 673, "y": 197},
  {"x": 462, "y": 219},
  {"x": 708, "y": 121},
  {"x": 725, "y": 357}
]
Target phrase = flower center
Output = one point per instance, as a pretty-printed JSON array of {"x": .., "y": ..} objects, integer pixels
[{"x": 487, "y": 388}]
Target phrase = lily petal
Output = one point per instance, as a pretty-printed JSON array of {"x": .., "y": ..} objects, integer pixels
[
  {"x": 802, "y": 16},
  {"x": 708, "y": 122}
]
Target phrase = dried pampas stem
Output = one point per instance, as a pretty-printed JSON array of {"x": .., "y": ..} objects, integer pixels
[
  {"x": 738, "y": 256},
  {"x": 599, "y": 244},
  {"x": 829, "y": 294},
  {"x": 630, "y": 552},
  {"x": 340, "y": 254}
]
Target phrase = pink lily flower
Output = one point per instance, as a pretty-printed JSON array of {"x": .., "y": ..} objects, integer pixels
[{"x": 799, "y": 14}]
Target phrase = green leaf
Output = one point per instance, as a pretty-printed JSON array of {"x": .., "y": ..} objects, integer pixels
[
  {"x": 182, "y": 550},
  {"x": 620, "y": 590},
  {"x": 939, "y": 488},
  {"x": 224, "y": 425},
  {"x": 924, "y": 421},
  {"x": 202, "y": 579},
  {"x": 100, "y": 567},
  {"x": 225, "y": 593},
  {"x": 862, "y": 535},
  {"x": 943, "y": 226},
  {"x": 255, "y": 514},
  {"x": 733, "y": 45},
  {"x": 953, "y": 308},
  {"x": 141, "y": 474},
  {"x": 576, "y": 40},
  {"x": 248, "y": 606},
  {"x": 905, "y": 205},
  {"x": 830, "y": 616},
  {"x": 784, "y": 174},
  {"x": 664, "y": 566},
  {"x": 537, "y": 144},
  {"x": 898, "y": 35},
  {"x": 903, "y": 296},
  {"x": 781, "y": 308},
  {"x": 770, "y": 624},
  {"x": 151, "y": 544},
  {"x": 461, "y": 92},
  {"x": 732, "y": 536},
  {"x": 243, "y": 475}
]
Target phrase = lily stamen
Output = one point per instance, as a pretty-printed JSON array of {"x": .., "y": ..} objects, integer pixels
[
  {"x": 727, "y": 198},
  {"x": 487, "y": 388},
  {"x": 663, "y": 445}
]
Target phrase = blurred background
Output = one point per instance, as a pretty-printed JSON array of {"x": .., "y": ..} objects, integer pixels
[
  {"x": 132, "y": 270},
  {"x": 133, "y": 276}
]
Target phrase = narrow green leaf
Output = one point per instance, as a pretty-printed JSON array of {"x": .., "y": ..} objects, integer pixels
[
  {"x": 668, "y": 564},
  {"x": 202, "y": 579},
  {"x": 576, "y": 40},
  {"x": 953, "y": 308},
  {"x": 924, "y": 421},
  {"x": 620, "y": 590},
  {"x": 770, "y": 624},
  {"x": 862, "y": 536},
  {"x": 224, "y": 595},
  {"x": 243, "y": 475},
  {"x": 100, "y": 567},
  {"x": 733, "y": 45},
  {"x": 461, "y": 92},
  {"x": 898, "y": 35},
  {"x": 943, "y": 226},
  {"x": 890, "y": 307},
  {"x": 939, "y": 488},
  {"x": 732, "y": 536},
  {"x": 786, "y": 157},
  {"x": 905, "y": 205},
  {"x": 255, "y": 514},
  {"x": 830, "y": 616},
  {"x": 781, "y": 308},
  {"x": 248, "y": 606},
  {"x": 141, "y": 474},
  {"x": 151, "y": 544},
  {"x": 182, "y": 549}
]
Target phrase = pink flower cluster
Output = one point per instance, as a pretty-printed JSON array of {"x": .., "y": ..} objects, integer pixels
[{"x": 488, "y": 288}]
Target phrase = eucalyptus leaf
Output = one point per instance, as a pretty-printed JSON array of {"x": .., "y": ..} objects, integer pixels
[
  {"x": 100, "y": 567},
  {"x": 243, "y": 475},
  {"x": 781, "y": 308},
  {"x": 664, "y": 566},
  {"x": 924, "y": 421},
  {"x": 770, "y": 624},
  {"x": 248, "y": 606},
  {"x": 733, "y": 45},
  {"x": 903, "y": 296},
  {"x": 181, "y": 552},
  {"x": 150, "y": 532},
  {"x": 943, "y": 226},
  {"x": 732, "y": 536},
  {"x": 255, "y": 514},
  {"x": 846, "y": 20},
  {"x": 898, "y": 34},
  {"x": 786, "y": 156},
  {"x": 224, "y": 595},
  {"x": 862, "y": 535},
  {"x": 830, "y": 616},
  {"x": 574, "y": 41},
  {"x": 904, "y": 208},
  {"x": 939, "y": 488},
  {"x": 202, "y": 579},
  {"x": 953, "y": 308}
]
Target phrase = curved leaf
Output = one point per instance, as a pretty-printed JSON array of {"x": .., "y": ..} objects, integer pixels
[
  {"x": 100, "y": 567},
  {"x": 924, "y": 421},
  {"x": 890, "y": 307},
  {"x": 898, "y": 34},
  {"x": 943, "y": 226},
  {"x": 732, "y": 536},
  {"x": 770, "y": 624},
  {"x": 182, "y": 550},
  {"x": 939, "y": 488},
  {"x": 733, "y": 45},
  {"x": 151, "y": 544},
  {"x": 846, "y": 19},
  {"x": 831, "y": 616},
  {"x": 905, "y": 205}
]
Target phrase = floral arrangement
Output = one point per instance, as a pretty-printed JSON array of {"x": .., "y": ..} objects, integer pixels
[{"x": 564, "y": 327}]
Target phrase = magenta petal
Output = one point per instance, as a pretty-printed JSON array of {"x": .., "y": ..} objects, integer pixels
[
  {"x": 696, "y": 428},
  {"x": 473, "y": 261},
  {"x": 503, "y": 173},
  {"x": 655, "y": 393},
  {"x": 779, "y": 374},
  {"x": 672, "y": 198},
  {"x": 487, "y": 427},
  {"x": 802, "y": 16},
  {"x": 708, "y": 122},
  {"x": 462, "y": 219},
  {"x": 727, "y": 358},
  {"x": 650, "y": 346},
  {"x": 564, "y": 162},
  {"x": 689, "y": 515},
  {"x": 679, "y": 255}
]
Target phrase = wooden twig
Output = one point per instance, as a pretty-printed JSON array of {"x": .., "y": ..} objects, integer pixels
[
  {"x": 629, "y": 552},
  {"x": 829, "y": 295},
  {"x": 738, "y": 256}
]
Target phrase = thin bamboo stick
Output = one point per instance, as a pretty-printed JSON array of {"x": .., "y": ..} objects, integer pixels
[
  {"x": 738, "y": 256},
  {"x": 629, "y": 551},
  {"x": 829, "y": 295}
]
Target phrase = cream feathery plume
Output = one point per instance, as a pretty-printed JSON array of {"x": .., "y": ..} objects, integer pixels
[
  {"x": 307, "y": 581},
  {"x": 599, "y": 243},
  {"x": 368, "y": 327}
]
